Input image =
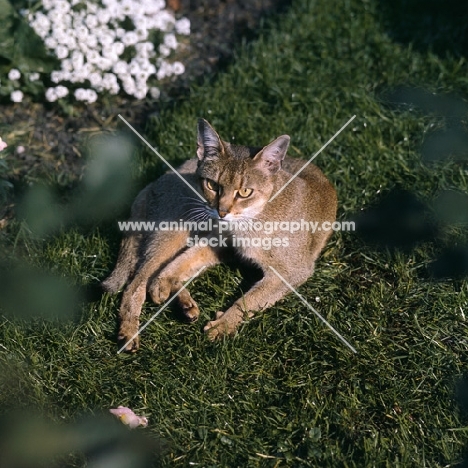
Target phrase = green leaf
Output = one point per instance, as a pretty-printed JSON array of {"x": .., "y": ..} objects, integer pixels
[{"x": 20, "y": 46}]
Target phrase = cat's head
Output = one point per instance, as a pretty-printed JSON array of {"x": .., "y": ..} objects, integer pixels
[{"x": 237, "y": 181}]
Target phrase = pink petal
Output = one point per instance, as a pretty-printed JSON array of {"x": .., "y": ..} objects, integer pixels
[
  {"x": 121, "y": 410},
  {"x": 128, "y": 417}
]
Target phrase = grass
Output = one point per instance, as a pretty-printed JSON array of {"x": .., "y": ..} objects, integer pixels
[{"x": 284, "y": 391}]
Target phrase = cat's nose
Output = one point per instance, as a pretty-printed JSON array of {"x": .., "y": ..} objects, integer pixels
[{"x": 222, "y": 213}]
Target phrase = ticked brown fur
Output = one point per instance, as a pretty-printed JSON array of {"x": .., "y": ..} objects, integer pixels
[{"x": 237, "y": 183}]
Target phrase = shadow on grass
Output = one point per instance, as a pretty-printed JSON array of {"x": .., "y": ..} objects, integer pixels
[
  {"x": 400, "y": 220},
  {"x": 438, "y": 26},
  {"x": 461, "y": 394}
]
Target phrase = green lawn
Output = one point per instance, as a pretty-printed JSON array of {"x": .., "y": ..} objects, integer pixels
[{"x": 284, "y": 391}]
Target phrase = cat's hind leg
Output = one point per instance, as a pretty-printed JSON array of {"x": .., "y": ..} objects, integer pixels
[{"x": 160, "y": 252}]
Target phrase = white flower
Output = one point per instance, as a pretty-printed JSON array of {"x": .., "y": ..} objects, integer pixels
[
  {"x": 120, "y": 32},
  {"x": 164, "y": 21},
  {"x": 70, "y": 42},
  {"x": 67, "y": 65},
  {"x": 144, "y": 49},
  {"x": 55, "y": 17},
  {"x": 14, "y": 74},
  {"x": 87, "y": 95},
  {"x": 91, "y": 41},
  {"x": 83, "y": 47},
  {"x": 91, "y": 21},
  {"x": 16, "y": 96},
  {"x": 178, "y": 68},
  {"x": 118, "y": 48},
  {"x": 142, "y": 34},
  {"x": 81, "y": 33},
  {"x": 47, "y": 4},
  {"x": 140, "y": 92},
  {"x": 129, "y": 85},
  {"x": 56, "y": 76},
  {"x": 62, "y": 6},
  {"x": 170, "y": 41},
  {"x": 61, "y": 91},
  {"x": 155, "y": 92},
  {"x": 153, "y": 7},
  {"x": 164, "y": 50},
  {"x": 92, "y": 95},
  {"x": 50, "y": 42},
  {"x": 106, "y": 38},
  {"x": 103, "y": 16},
  {"x": 109, "y": 82},
  {"x": 41, "y": 24},
  {"x": 51, "y": 95},
  {"x": 92, "y": 56},
  {"x": 77, "y": 59},
  {"x": 34, "y": 76},
  {"x": 127, "y": 7},
  {"x": 182, "y": 26},
  {"x": 95, "y": 79},
  {"x": 130, "y": 38},
  {"x": 104, "y": 64},
  {"x": 92, "y": 8},
  {"x": 61, "y": 52},
  {"x": 120, "y": 67},
  {"x": 165, "y": 69}
]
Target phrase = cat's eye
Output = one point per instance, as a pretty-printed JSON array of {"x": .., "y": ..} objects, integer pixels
[
  {"x": 245, "y": 192},
  {"x": 211, "y": 185}
]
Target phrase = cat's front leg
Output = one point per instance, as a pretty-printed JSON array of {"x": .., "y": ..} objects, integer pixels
[{"x": 263, "y": 294}]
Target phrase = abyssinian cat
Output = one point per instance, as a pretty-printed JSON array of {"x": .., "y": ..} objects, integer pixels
[{"x": 236, "y": 183}]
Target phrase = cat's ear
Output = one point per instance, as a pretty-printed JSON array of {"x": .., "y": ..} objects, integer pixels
[
  {"x": 209, "y": 143},
  {"x": 269, "y": 158}
]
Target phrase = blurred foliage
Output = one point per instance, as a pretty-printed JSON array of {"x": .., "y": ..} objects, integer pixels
[
  {"x": 5, "y": 186},
  {"x": 28, "y": 440},
  {"x": 104, "y": 190},
  {"x": 27, "y": 293}
]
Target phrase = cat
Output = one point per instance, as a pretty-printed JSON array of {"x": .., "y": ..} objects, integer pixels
[{"x": 237, "y": 183}]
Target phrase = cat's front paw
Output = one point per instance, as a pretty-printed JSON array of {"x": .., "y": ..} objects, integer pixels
[
  {"x": 160, "y": 290},
  {"x": 129, "y": 339},
  {"x": 189, "y": 307},
  {"x": 220, "y": 327}
]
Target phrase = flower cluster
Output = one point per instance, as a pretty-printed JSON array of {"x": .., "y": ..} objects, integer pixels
[{"x": 107, "y": 46}]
